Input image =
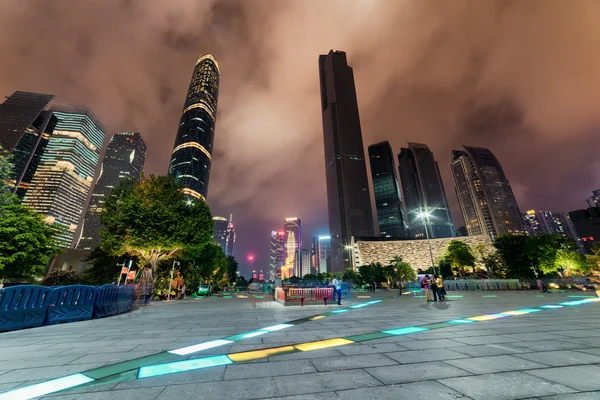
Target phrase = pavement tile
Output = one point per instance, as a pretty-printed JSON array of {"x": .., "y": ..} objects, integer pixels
[
  {"x": 493, "y": 364},
  {"x": 325, "y": 353},
  {"x": 199, "y": 376},
  {"x": 323, "y": 382},
  {"x": 488, "y": 350},
  {"x": 504, "y": 386},
  {"x": 548, "y": 345},
  {"x": 581, "y": 333},
  {"x": 352, "y": 362},
  {"x": 416, "y": 356},
  {"x": 430, "y": 344},
  {"x": 415, "y": 372},
  {"x": 581, "y": 377},
  {"x": 562, "y": 358},
  {"x": 574, "y": 396},
  {"x": 36, "y": 362},
  {"x": 413, "y": 391},
  {"x": 19, "y": 375},
  {"x": 274, "y": 368},
  {"x": 491, "y": 339},
  {"x": 240, "y": 390},
  {"x": 370, "y": 348},
  {"x": 128, "y": 394},
  {"x": 312, "y": 396}
]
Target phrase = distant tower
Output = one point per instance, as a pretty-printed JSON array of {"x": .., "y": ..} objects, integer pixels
[
  {"x": 192, "y": 152},
  {"x": 62, "y": 181},
  {"x": 348, "y": 198},
  {"x": 124, "y": 159},
  {"x": 25, "y": 129},
  {"x": 424, "y": 193},
  {"x": 386, "y": 188},
  {"x": 220, "y": 232},
  {"x": 484, "y": 193},
  {"x": 230, "y": 247},
  {"x": 593, "y": 200},
  {"x": 292, "y": 229},
  {"x": 324, "y": 254}
]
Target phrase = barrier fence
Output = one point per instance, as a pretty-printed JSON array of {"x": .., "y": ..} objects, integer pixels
[
  {"x": 30, "y": 306},
  {"x": 485, "y": 284},
  {"x": 308, "y": 295}
]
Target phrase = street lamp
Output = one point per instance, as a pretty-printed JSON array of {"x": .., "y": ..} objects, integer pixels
[{"x": 424, "y": 216}]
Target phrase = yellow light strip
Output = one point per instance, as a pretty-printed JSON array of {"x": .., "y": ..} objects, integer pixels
[
  {"x": 209, "y": 57},
  {"x": 202, "y": 106},
  {"x": 193, "y": 193},
  {"x": 317, "y": 317},
  {"x": 256, "y": 354},
  {"x": 195, "y": 145},
  {"x": 322, "y": 344}
]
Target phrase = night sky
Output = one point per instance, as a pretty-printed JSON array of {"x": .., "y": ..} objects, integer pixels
[{"x": 519, "y": 77}]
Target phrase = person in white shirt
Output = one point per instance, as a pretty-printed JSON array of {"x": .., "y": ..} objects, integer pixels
[{"x": 337, "y": 286}]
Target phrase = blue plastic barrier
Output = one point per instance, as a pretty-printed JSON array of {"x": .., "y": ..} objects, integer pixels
[
  {"x": 71, "y": 303},
  {"x": 23, "y": 306},
  {"x": 125, "y": 302},
  {"x": 107, "y": 301}
]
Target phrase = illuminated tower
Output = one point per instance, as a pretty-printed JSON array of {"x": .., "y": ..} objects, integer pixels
[
  {"x": 292, "y": 229},
  {"x": 348, "y": 198},
  {"x": 220, "y": 232},
  {"x": 229, "y": 248},
  {"x": 124, "y": 159},
  {"x": 192, "y": 152}
]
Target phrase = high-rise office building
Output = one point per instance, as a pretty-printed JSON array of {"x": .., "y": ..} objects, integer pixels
[
  {"x": 348, "y": 197},
  {"x": 292, "y": 228},
  {"x": 220, "y": 232},
  {"x": 124, "y": 159},
  {"x": 484, "y": 194},
  {"x": 277, "y": 256},
  {"x": 558, "y": 223},
  {"x": 593, "y": 200},
  {"x": 192, "y": 152},
  {"x": 587, "y": 225},
  {"x": 324, "y": 254},
  {"x": 424, "y": 195},
  {"x": 386, "y": 188},
  {"x": 63, "y": 179},
  {"x": 229, "y": 249},
  {"x": 302, "y": 267},
  {"x": 25, "y": 128}
]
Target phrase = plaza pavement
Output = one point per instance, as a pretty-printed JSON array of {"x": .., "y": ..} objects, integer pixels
[{"x": 552, "y": 355}]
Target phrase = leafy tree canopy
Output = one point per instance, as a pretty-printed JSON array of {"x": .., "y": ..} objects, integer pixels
[
  {"x": 351, "y": 275},
  {"x": 232, "y": 268},
  {"x": 513, "y": 251},
  {"x": 459, "y": 256},
  {"x": 542, "y": 250},
  {"x": 153, "y": 220}
]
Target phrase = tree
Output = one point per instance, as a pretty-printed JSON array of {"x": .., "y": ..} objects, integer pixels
[
  {"x": 593, "y": 260},
  {"x": 62, "y": 278},
  {"x": 154, "y": 221},
  {"x": 6, "y": 174},
  {"x": 104, "y": 268},
  {"x": 351, "y": 275},
  {"x": 459, "y": 255},
  {"x": 209, "y": 265},
  {"x": 570, "y": 262},
  {"x": 399, "y": 271},
  {"x": 542, "y": 251},
  {"x": 372, "y": 273},
  {"x": 444, "y": 269},
  {"x": 232, "y": 268},
  {"x": 513, "y": 250}
]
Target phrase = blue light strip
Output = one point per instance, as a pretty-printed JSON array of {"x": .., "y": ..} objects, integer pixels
[
  {"x": 405, "y": 331},
  {"x": 44, "y": 388},
  {"x": 181, "y": 366}
]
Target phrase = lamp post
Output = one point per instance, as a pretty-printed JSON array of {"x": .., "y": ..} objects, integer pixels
[
  {"x": 171, "y": 281},
  {"x": 425, "y": 217}
]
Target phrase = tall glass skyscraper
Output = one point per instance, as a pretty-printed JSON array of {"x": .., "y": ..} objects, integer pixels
[
  {"x": 386, "y": 188},
  {"x": 324, "y": 254},
  {"x": 348, "y": 198},
  {"x": 484, "y": 194},
  {"x": 424, "y": 193},
  {"x": 277, "y": 256},
  {"x": 25, "y": 129},
  {"x": 229, "y": 249},
  {"x": 292, "y": 228},
  {"x": 124, "y": 159},
  {"x": 220, "y": 232},
  {"x": 63, "y": 179},
  {"x": 192, "y": 152}
]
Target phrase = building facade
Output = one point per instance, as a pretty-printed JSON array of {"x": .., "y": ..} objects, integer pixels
[
  {"x": 593, "y": 200},
  {"x": 388, "y": 201},
  {"x": 192, "y": 152},
  {"x": 424, "y": 195},
  {"x": 302, "y": 263},
  {"x": 558, "y": 223},
  {"x": 348, "y": 198},
  {"x": 25, "y": 128},
  {"x": 324, "y": 254},
  {"x": 484, "y": 194},
  {"x": 124, "y": 159},
  {"x": 277, "y": 255},
  {"x": 220, "y": 232},
  {"x": 63, "y": 179},
  {"x": 587, "y": 225},
  {"x": 292, "y": 228}
]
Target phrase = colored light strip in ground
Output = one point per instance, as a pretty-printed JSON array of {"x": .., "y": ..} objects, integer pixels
[
  {"x": 200, "y": 347},
  {"x": 182, "y": 366},
  {"x": 405, "y": 331},
  {"x": 44, "y": 388}
]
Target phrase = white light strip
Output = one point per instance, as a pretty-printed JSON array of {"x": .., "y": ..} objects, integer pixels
[
  {"x": 253, "y": 334},
  {"x": 44, "y": 388},
  {"x": 277, "y": 327},
  {"x": 199, "y": 347}
]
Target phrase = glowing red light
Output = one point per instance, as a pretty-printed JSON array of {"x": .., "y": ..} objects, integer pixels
[{"x": 250, "y": 257}]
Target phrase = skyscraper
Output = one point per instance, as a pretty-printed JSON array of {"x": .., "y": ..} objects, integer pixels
[
  {"x": 25, "y": 129},
  {"x": 557, "y": 223},
  {"x": 593, "y": 200},
  {"x": 324, "y": 254},
  {"x": 277, "y": 256},
  {"x": 424, "y": 194},
  {"x": 388, "y": 200},
  {"x": 192, "y": 152},
  {"x": 124, "y": 159},
  {"x": 292, "y": 229},
  {"x": 63, "y": 179},
  {"x": 348, "y": 198},
  {"x": 220, "y": 232},
  {"x": 229, "y": 249},
  {"x": 484, "y": 194},
  {"x": 302, "y": 267}
]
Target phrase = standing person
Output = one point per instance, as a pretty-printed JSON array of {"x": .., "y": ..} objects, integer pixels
[
  {"x": 425, "y": 285},
  {"x": 182, "y": 292},
  {"x": 440, "y": 288},
  {"x": 337, "y": 287},
  {"x": 434, "y": 287}
]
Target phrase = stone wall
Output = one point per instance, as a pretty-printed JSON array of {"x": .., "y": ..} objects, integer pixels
[{"x": 414, "y": 252}]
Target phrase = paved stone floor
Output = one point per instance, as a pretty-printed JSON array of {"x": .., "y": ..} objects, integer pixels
[{"x": 552, "y": 354}]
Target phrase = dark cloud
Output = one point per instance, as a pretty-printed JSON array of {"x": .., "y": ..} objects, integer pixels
[{"x": 521, "y": 77}]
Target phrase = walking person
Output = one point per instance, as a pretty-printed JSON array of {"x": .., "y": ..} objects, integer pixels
[
  {"x": 440, "y": 288},
  {"x": 182, "y": 296},
  {"x": 425, "y": 285},
  {"x": 434, "y": 287},
  {"x": 337, "y": 287}
]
